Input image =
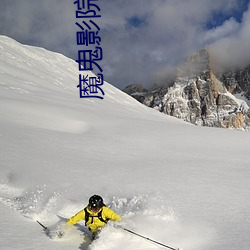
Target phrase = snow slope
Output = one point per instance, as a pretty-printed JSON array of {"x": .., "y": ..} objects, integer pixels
[{"x": 173, "y": 182}]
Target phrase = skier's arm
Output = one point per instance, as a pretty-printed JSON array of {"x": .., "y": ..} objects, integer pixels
[
  {"x": 77, "y": 217},
  {"x": 110, "y": 214}
]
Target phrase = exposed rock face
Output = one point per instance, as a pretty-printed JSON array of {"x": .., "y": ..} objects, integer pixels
[
  {"x": 237, "y": 81},
  {"x": 137, "y": 91},
  {"x": 199, "y": 97}
]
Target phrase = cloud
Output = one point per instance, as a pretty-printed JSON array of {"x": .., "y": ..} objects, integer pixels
[
  {"x": 142, "y": 40},
  {"x": 46, "y": 23},
  {"x": 171, "y": 31},
  {"x": 233, "y": 49},
  {"x": 228, "y": 28}
]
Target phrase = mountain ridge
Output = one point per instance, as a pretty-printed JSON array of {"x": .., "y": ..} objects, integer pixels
[{"x": 200, "y": 95}]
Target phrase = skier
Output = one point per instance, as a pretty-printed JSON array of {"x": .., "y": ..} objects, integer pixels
[{"x": 95, "y": 214}]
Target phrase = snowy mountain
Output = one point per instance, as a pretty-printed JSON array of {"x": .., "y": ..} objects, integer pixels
[
  {"x": 182, "y": 185},
  {"x": 201, "y": 96}
]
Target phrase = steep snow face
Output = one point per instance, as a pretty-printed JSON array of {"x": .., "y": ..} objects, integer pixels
[
  {"x": 42, "y": 78},
  {"x": 179, "y": 184}
]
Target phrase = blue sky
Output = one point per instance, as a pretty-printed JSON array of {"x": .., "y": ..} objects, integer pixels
[
  {"x": 142, "y": 40},
  {"x": 218, "y": 17}
]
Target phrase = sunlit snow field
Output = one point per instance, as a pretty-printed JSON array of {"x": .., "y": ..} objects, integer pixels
[{"x": 182, "y": 185}]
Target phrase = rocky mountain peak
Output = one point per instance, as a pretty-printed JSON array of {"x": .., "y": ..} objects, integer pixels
[
  {"x": 202, "y": 97},
  {"x": 196, "y": 64}
]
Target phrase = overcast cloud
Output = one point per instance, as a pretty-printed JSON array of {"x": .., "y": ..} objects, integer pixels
[{"x": 142, "y": 40}]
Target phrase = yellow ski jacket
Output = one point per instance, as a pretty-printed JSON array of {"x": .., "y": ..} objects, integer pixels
[{"x": 94, "y": 223}]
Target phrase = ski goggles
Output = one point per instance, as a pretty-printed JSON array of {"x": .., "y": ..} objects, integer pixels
[{"x": 94, "y": 208}]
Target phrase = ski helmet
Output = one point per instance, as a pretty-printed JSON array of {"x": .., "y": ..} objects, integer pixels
[{"x": 96, "y": 202}]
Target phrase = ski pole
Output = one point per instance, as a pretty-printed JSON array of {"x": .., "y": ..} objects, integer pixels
[
  {"x": 146, "y": 238},
  {"x": 45, "y": 228}
]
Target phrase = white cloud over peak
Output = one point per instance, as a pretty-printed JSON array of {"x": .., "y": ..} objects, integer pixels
[
  {"x": 233, "y": 49},
  {"x": 141, "y": 39}
]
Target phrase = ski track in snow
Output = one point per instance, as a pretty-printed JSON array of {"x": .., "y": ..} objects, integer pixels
[{"x": 145, "y": 214}]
